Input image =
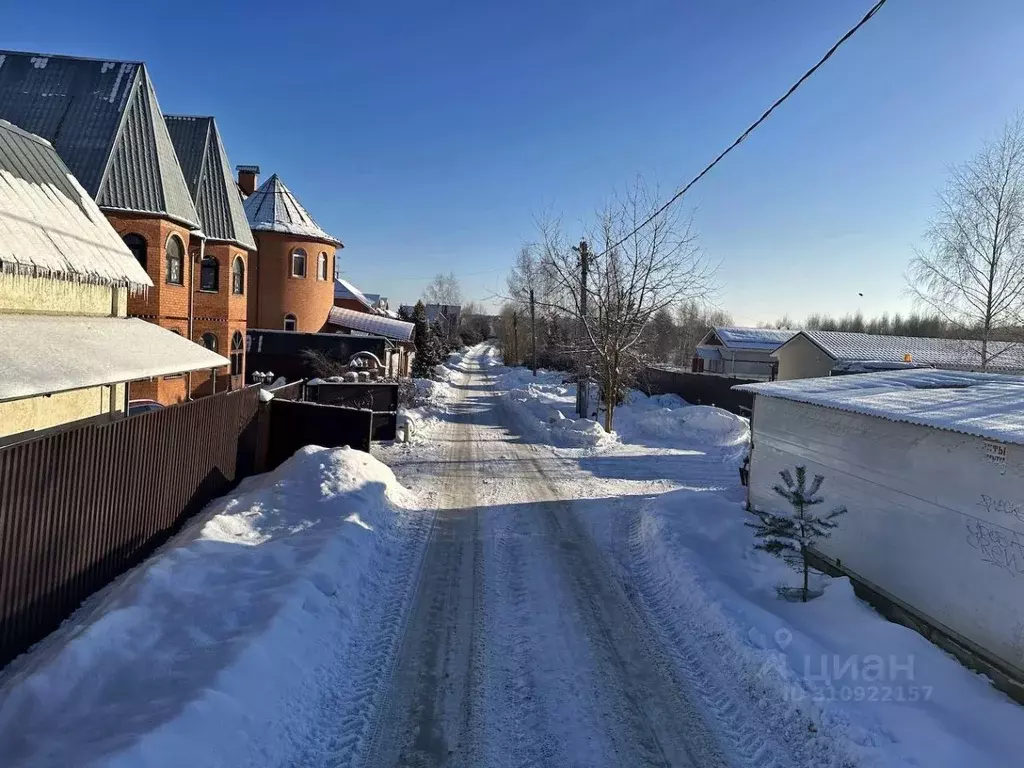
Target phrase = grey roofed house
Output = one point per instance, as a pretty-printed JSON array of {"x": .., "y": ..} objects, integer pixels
[
  {"x": 103, "y": 119},
  {"x": 49, "y": 226},
  {"x": 447, "y": 313},
  {"x": 844, "y": 347},
  {"x": 273, "y": 208},
  {"x": 209, "y": 179}
]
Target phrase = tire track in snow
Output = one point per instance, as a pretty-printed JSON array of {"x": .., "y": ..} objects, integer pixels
[{"x": 738, "y": 727}]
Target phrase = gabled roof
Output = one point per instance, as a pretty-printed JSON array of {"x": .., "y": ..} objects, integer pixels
[
  {"x": 343, "y": 289},
  {"x": 941, "y": 353},
  {"x": 43, "y": 354},
  {"x": 376, "y": 325},
  {"x": 748, "y": 338},
  {"x": 989, "y": 405},
  {"x": 273, "y": 208},
  {"x": 49, "y": 226},
  {"x": 103, "y": 119},
  {"x": 208, "y": 176}
]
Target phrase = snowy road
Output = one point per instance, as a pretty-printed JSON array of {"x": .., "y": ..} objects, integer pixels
[{"x": 522, "y": 648}]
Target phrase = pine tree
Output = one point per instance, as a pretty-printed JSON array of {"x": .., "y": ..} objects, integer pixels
[
  {"x": 426, "y": 347},
  {"x": 789, "y": 536}
]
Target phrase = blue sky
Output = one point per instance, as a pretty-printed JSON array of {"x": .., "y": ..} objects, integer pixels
[{"x": 428, "y": 135}]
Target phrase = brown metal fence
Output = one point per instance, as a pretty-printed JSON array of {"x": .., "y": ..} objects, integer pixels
[{"x": 79, "y": 507}]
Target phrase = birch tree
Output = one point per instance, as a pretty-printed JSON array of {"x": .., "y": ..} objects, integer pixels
[
  {"x": 972, "y": 272},
  {"x": 633, "y": 272}
]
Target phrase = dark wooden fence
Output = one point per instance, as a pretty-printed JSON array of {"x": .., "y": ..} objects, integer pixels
[
  {"x": 79, "y": 507},
  {"x": 293, "y": 425},
  {"x": 379, "y": 397},
  {"x": 700, "y": 389}
]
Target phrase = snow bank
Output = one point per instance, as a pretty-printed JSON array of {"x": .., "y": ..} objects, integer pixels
[
  {"x": 254, "y": 633},
  {"x": 670, "y": 420},
  {"x": 838, "y": 684}
]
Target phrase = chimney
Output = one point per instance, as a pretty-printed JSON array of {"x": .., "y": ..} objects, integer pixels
[{"x": 248, "y": 176}]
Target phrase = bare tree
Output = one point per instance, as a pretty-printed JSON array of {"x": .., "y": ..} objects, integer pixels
[
  {"x": 634, "y": 273},
  {"x": 443, "y": 289},
  {"x": 972, "y": 273}
]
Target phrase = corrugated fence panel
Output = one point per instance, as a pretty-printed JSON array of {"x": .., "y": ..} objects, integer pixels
[{"x": 80, "y": 507}]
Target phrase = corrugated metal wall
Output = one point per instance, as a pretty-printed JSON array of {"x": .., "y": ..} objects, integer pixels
[{"x": 79, "y": 507}]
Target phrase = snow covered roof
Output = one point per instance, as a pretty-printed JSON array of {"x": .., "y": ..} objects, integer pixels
[
  {"x": 942, "y": 353},
  {"x": 343, "y": 289},
  {"x": 208, "y": 176},
  {"x": 989, "y": 405},
  {"x": 749, "y": 338},
  {"x": 273, "y": 208},
  {"x": 103, "y": 119},
  {"x": 49, "y": 226},
  {"x": 43, "y": 354},
  {"x": 376, "y": 325}
]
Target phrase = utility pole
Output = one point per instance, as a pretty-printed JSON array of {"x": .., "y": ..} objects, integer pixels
[
  {"x": 581, "y": 385},
  {"x": 533, "y": 330},
  {"x": 515, "y": 336}
]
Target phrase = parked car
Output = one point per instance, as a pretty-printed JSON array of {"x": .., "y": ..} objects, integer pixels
[{"x": 137, "y": 407}]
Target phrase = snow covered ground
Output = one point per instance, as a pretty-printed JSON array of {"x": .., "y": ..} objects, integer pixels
[
  {"x": 825, "y": 683},
  {"x": 519, "y": 587},
  {"x": 260, "y": 635}
]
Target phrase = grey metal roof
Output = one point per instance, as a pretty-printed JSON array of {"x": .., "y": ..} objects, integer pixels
[
  {"x": 208, "y": 176},
  {"x": 941, "y": 353},
  {"x": 343, "y": 289},
  {"x": 49, "y": 226},
  {"x": 273, "y": 208},
  {"x": 372, "y": 324},
  {"x": 104, "y": 120}
]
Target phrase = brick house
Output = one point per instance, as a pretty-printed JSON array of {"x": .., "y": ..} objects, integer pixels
[
  {"x": 68, "y": 352},
  {"x": 291, "y": 275},
  {"x": 221, "y": 249},
  {"x": 104, "y": 120}
]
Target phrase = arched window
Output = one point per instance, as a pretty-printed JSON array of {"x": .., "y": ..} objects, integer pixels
[
  {"x": 321, "y": 266},
  {"x": 209, "y": 274},
  {"x": 238, "y": 276},
  {"x": 237, "y": 350},
  {"x": 175, "y": 259},
  {"x": 290, "y": 323},
  {"x": 298, "y": 263},
  {"x": 137, "y": 245},
  {"x": 210, "y": 341}
]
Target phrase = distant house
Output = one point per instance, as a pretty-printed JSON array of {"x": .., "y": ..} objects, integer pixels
[
  {"x": 739, "y": 352},
  {"x": 67, "y": 349},
  {"x": 809, "y": 354},
  {"x": 930, "y": 465}
]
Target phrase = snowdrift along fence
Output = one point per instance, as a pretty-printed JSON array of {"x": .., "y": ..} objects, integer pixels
[
  {"x": 80, "y": 507},
  {"x": 700, "y": 389}
]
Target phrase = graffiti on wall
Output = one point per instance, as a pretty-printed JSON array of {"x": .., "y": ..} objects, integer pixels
[
  {"x": 1002, "y": 507},
  {"x": 997, "y": 546}
]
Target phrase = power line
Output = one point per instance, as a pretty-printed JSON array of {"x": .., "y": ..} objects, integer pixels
[{"x": 752, "y": 128}]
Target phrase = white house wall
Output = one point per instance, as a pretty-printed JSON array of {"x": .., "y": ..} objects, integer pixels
[{"x": 936, "y": 518}]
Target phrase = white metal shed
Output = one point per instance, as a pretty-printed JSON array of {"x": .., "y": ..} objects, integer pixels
[{"x": 930, "y": 465}]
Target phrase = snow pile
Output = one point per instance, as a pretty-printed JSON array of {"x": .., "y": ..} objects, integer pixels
[
  {"x": 262, "y": 628},
  {"x": 670, "y": 420},
  {"x": 544, "y": 407},
  {"x": 838, "y": 684}
]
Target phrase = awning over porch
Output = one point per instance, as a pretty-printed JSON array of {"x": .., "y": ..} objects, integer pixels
[{"x": 44, "y": 354}]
